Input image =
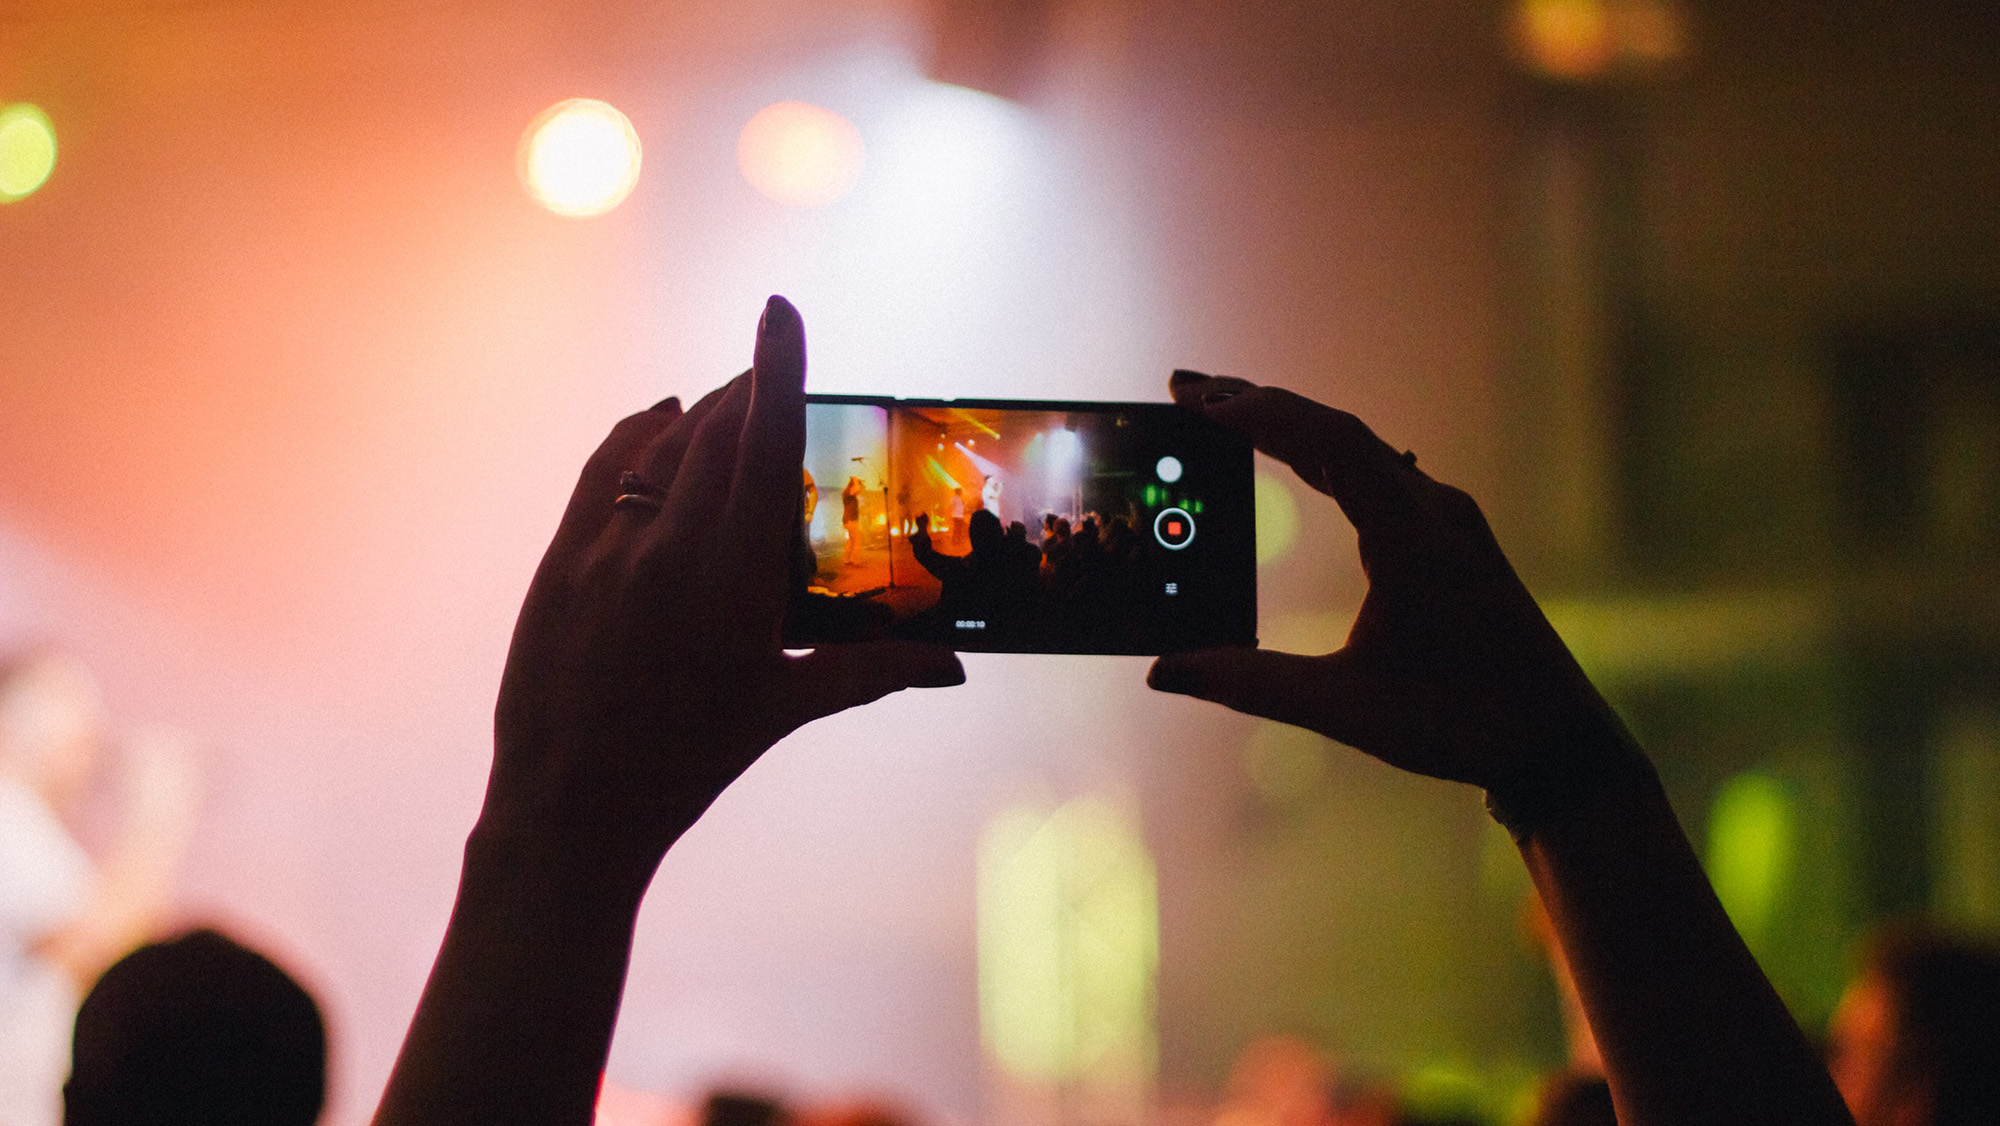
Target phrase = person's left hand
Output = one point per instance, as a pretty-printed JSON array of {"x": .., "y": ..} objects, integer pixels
[{"x": 645, "y": 673}]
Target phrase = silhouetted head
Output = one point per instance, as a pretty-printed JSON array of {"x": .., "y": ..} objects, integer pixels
[
  {"x": 984, "y": 531},
  {"x": 1049, "y": 522},
  {"x": 197, "y": 1031},
  {"x": 1018, "y": 532},
  {"x": 1916, "y": 1039},
  {"x": 742, "y": 1108},
  {"x": 1062, "y": 528}
]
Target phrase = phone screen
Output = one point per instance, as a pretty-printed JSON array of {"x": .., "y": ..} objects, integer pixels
[{"x": 1023, "y": 527}]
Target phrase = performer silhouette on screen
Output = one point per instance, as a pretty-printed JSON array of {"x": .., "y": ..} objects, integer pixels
[
  {"x": 850, "y": 518},
  {"x": 960, "y": 530}
]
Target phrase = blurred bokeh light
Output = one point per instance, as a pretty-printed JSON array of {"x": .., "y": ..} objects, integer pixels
[
  {"x": 580, "y": 158},
  {"x": 27, "y": 151},
  {"x": 1578, "y": 40},
  {"x": 800, "y": 154}
]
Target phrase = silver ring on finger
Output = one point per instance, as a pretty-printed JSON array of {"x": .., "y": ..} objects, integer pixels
[{"x": 637, "y": 494}]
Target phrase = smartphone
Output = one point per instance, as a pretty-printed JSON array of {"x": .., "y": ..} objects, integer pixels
[{"x": 1023, "y": 527}]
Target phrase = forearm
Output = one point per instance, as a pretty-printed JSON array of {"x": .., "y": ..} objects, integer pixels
[
  {"x": 1689, "y": 1029},
  {"x": 516, "y": 1019}
]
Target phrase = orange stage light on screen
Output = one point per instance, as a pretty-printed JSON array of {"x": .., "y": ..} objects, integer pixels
[
  {"x": 1582, "y": 40},
  {"x": 27, "y": 151},
  {"x": 800, "y": 154},
  {"x": 579, "y": 158}
]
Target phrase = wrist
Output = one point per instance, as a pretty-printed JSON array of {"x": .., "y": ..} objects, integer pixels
[
  {"x": 538, "y": 864},
  {"x": 1591, "y": 762}
]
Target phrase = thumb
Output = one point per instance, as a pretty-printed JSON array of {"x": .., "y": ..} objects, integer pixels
[
  {"x": 1320, "y": 693},
  {"x": 834, "y": 678}
]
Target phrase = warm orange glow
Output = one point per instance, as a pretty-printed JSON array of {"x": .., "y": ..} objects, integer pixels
[
  {"x": 799, "y": 154},
  {"x": 1565, "y": 38},
  {"x": 1576, "y": 40},
  {"x": 580, "y": 158}
]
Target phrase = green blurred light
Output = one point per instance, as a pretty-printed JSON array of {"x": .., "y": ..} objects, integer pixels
[
  {"x": 1444, "y": 1092},
  {"x": 1277, "y": 518},
  {"x": 27, "y": 150},
  {"x": 1751, "y": 830},
  {"x": 1068, "y": 941}
]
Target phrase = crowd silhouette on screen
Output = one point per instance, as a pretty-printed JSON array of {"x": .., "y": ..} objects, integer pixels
[
  {"x": 1093, "y": 583},
  {"x": 646, "y": 674}
]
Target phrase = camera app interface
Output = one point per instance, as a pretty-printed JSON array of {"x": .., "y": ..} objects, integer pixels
[{"x": 1049, "y": 527}]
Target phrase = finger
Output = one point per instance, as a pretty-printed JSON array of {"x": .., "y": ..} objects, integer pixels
[
  {"x": 660, "y": 462},
  {"x": 590, "y": 505},
  {"x": 1193, "y": 388},
  {"x": 1324, "y": 694},
  {"x": 764, "y": 499},
  {"x": 1331, "y": 450},
  {"x": 837, "y": 677},
  {"x": 701, "y": 484}
]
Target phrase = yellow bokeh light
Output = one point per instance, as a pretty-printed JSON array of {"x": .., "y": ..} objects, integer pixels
[
  {"x": 27, "y": 150},
  {"x": 1277, "y": 518},
  {"x": 580, "y": 158},
  {"x": 1069, "y": 942},
  {"x": 800, "y": 154}
]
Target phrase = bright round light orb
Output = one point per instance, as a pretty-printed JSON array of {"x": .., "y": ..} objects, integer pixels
[
  {"x": 27, "y": 150},
  {"x": 580, "y": 158},
  {"x": 1169, "y": 469},
  {"x": 800, "y": 154}
]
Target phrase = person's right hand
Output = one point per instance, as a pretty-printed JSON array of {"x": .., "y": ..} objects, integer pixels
[{"x": 1450, "y": 670}]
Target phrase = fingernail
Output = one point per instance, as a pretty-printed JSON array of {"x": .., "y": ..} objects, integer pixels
[{"x": 673, "y": 401}]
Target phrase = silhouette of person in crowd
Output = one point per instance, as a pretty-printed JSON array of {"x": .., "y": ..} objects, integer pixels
[
  {"x": 743, "y": 1108},
  {"x": 977, "y": 587},
  {"x": 1916, "y": 1039},
  {"x": 197, "y": 1031}
]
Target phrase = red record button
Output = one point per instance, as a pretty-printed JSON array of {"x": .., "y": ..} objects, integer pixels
[{"x": 1174, "y": 528}]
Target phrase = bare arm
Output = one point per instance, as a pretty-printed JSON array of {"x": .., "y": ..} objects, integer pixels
[
  {"x": 940, "y": 565},
  {"x": 644, "y": 676},
  {"x": 1451, "y": 670}
]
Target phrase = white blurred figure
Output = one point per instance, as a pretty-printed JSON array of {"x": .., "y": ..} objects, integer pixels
[{"x": 65, "y": 917}]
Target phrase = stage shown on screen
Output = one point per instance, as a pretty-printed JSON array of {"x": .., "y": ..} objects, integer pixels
[{"x": 1036, "y": 527}]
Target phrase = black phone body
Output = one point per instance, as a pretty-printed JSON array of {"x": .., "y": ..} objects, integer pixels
[{"x": 1023, "y": 527}]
